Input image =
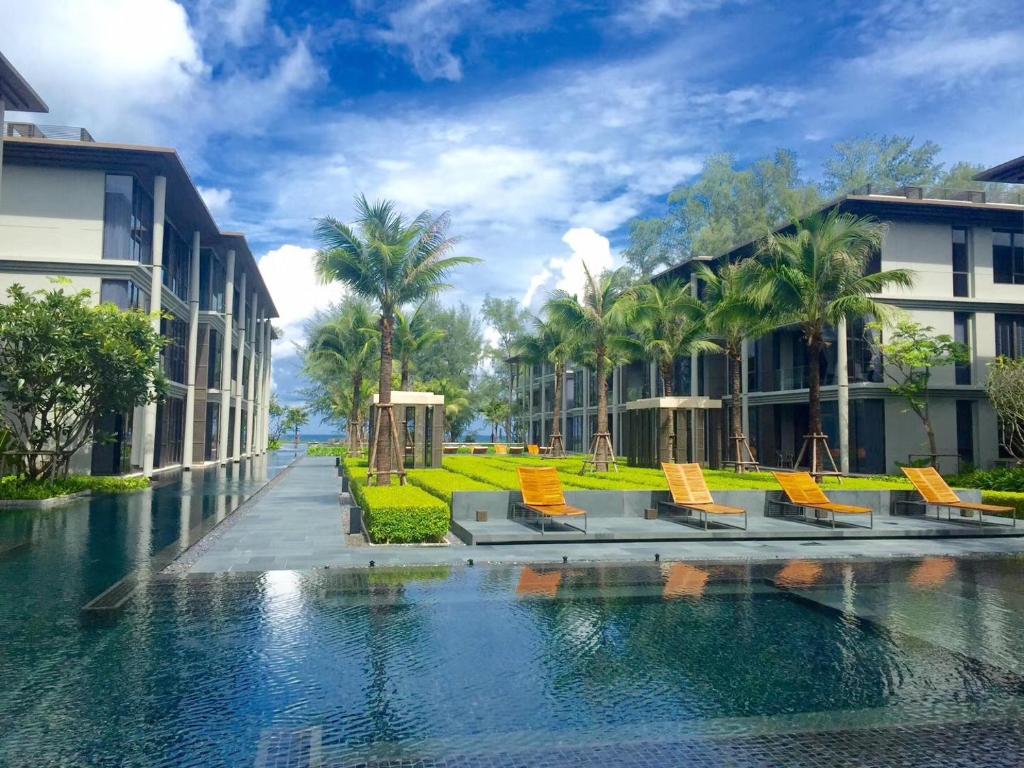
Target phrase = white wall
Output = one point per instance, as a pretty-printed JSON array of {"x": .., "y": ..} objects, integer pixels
[
  {"x": 51, "y": 213},
  {"x": 926, "y": 249}
]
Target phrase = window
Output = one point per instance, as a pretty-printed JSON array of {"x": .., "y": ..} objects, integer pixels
[
  {"x": 962, "y": 334},
  {"x": 211, "y": 282},
  {"x": 212, "y": 429},
  {"x": 175, "y": 352},
  {"x": 177, "y": 257},
  {"x": 965, "y": 431},
  {"x": 1009, "y": 335},
  {"x": 122, "y": 293},
  {"x": 961, "y": 263},
  {"x": 1007, "y": 257},
  {"x": 213, "y": 366},
  {"x": 570, "y": 391},
  {"x": 874, "y": 264},
  {"x": 127, "y": 220}
]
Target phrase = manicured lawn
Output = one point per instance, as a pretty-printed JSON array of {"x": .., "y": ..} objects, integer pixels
[{"x": 20, "y": 489}]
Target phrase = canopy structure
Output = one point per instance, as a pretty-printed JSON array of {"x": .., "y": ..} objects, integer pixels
[
  {"x": 1010, "y": 172},
  {"x": 420, "y": 419},
  {"x": 672, "y": 429},
  {"x": 16, "y": 95}
]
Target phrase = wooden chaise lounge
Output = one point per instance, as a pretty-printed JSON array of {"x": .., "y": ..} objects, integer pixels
[
  {"x": 803, "y": 493},
  {"x": 690, "y": 493},
  {"x": 543, "y": 498},
  {"x": 533, "y": 450},
  {"x": 935, "y": 492}
]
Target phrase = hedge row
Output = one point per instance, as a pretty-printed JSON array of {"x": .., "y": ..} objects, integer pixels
[
  {"x": 321, "y": 449},
  {"x": 1013, "y": 499},
  {"x": 20, "y": 488},
  {"x": 400, "y": 514},
  {"x": 1005, "y": 479},
  {"x": 442, "y": 483}
]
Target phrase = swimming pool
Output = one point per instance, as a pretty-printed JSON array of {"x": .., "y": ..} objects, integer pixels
[{"x": 861, "y": 663}]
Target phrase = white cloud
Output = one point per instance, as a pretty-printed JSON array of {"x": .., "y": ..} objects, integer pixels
[
  {"x": 297, "y": 292},
  {"x": 565, "y": 272},
  {"x": 218, "y": 200},
  {"x": 244, "y": 19},
  {"x": 424, "y": 30}
]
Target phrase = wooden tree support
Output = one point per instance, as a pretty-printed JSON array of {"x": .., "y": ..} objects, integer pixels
[
  {"x": 556, "y": 449},
  {"x": 818, "y": 445},
  {"x": 743, "y": 455},
  {"x": 385, "y": 409},
  {"x": 600, "y": 438}
]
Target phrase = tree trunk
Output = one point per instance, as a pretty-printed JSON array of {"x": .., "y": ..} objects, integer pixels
[
  {"x": 814, "y": 396},
  {"x": 556, "y": 411},
  {"x": 354, "y": 425},
  {"x": 601, "y": 372},
  {"x": 383, "y": 423},
  {"x": 406, "y": 375},
  {"x": 736, "y": 412},
  {"x": 932, "y": 443},
  {"x": 668, "y": 377}
]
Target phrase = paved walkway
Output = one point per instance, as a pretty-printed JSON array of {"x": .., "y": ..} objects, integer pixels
[{"x": 295, "y": 525}]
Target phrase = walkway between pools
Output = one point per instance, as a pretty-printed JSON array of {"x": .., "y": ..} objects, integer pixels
[{"x": 296, "y": 524}]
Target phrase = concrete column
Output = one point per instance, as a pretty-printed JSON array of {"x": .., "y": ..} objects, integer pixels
[
  {"x": 3, "y": 133},
  {"x": 225, "y": 368},
  {"x": 236, "y": 438},
  {"x": 156, "y": 284},
  {"x": 250, "y": 385},
  {"x": 543, "y": 409},
  {"x": 843, "y": 382},
  {"x": 193, "y": 344},
  {"x": 267, "y": 341},
  {"x": 745, "y": 377},
  {"x": 257, "y": 425}
]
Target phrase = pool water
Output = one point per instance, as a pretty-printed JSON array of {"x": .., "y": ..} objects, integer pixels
[{"x": 865, "y": 663}]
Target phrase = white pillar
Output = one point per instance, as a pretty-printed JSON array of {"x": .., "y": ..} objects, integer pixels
[
  {"x": 250, "y": 422},
  {"x": 744, "y": 378},
  {"x": 225, "y": 367},
  {"x": 155, "y": 306},
  {"x": 257, "y": 396},
  {"x": 3, "y": 133},
  {"x": 193, "y": 344},
  {"x": 268, "y": 331},
  {"x": 843, "y": 382},
  {"x": 236, "y": 438}
]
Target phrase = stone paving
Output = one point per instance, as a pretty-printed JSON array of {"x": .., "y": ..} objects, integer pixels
[{"x": 295, "y": 525}]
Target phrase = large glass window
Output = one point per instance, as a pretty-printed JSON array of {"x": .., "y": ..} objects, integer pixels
[
  {"x": 962, "y": 334},
  {"x": 122, "y": 293},
  {"x": 961, "y": 263},
  {"x": 867, "y": 428},
  {"x": 212, "y": 429},
  {"x": 1007, "y": 257},
  {"x": 213, "y": 364},
  {"x": 211, "y": 282},
  {"x": 965, "y": 432},
  {"x": 175, "y": 352},
  {"x": 1010, "y": 335},
  {"x": 570, "y": 391},
  {"x": 127, "y": 220},
  {"x": 177, "y": 255}
]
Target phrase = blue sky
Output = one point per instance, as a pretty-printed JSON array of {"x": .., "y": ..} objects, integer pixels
[{"x": 543, "y": 127}]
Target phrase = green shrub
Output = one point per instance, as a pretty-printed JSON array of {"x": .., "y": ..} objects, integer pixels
[
  {"x": 321, "y": 449},
  {"x": 1001, "y": 479},
  {"x": 20, "y": 488},
  {"x": 1005, "y": 499},
  {"x": 442, "y": 483},
  {"x": 401, "y": 514}
]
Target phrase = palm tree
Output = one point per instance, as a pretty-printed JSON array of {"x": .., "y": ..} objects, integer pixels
[
  {"x": 550, "y": 343},
  {"x": 392, "y": 261},
  {"x": 596, "y": 326},
  {"x": 671, "y": 324},
  {"x": 456, "y": 402},
  {"x": 814, "y": 277},
  {"x": 413, "y": 333},
  {"x": 346, "y": 346},
  {"x": 731, "y": 316}
]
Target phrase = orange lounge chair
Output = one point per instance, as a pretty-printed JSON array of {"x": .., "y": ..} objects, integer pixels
[
  {"x": 690, "y": 493},
  {"x": 935, "y": 492},
  {"x": 804, "y": 494},
  {"x": 533, "y": 450},
  {"x": 500, "y": 449},
  {"x": 543, "y": 497}
]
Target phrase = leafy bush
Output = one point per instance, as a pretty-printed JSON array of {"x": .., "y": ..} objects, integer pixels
[
  {"x": 1002, "y": 479},
  {"x": 442, "y": 483},
  {"x": 401, "y": 514},
  {"x": 21, "y": 488},
  {"x": 1005, "y": 499},
  {"x": 320, "y": 449}
]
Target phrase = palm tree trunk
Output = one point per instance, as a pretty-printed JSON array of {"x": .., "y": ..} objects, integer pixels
[
  {"x": 556, "y": 412},
  {"x": 736, "y": 412},
  {"x": 601, "y": 372},
  {"x": 354, "y": 426},
  {"x": 668, "y": 376},
  {"x": 384, "y": 425},
  {"x": 814, "y": 394},
  {"x": 406, "y": 375}
]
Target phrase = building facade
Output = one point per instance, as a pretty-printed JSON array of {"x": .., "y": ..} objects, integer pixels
[
  {"x": 966, "y": 250},
  {"x": 127, "y": 223}
]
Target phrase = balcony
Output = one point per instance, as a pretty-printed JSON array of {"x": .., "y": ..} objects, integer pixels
[{"x": 59, "y": 132}]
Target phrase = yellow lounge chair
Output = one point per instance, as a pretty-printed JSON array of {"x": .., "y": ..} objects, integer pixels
[
  {"x": 690, "y": 493},
  {"x": 804, "y": 493},
  {"x": 543, "y": 496},
  {"x": 935, "y": 492},
  {"x": 533, "y": 450},
  {"x": 500, "y": 449}
]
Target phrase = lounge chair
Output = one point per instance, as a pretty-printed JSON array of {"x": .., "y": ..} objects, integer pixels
[
  {"x": 515, "y": 450},
  {"x": 690, "y": 493},
  {"x": 935, "y": 492},
  {"x": 543, "y": 497},
  {"x": 479, "y": 450},
  {"x": 533, "y": 450},
  {"x": 804, "y": 494},
  {"x": 500, "y": 449},
  {"x": 450, "y": 449}
]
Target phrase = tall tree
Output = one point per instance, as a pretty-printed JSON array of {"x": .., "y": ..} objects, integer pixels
[
  {"x": 458, "y": 354},
  {"x": 415, "y": 334},
  {"x": 550, "y": 342},
  {"x": 815, "y": 276},
  {"x": 596, "y": 324},
  {"x": 392, "y": 261},
  {"x": 882, "y": 161},
  {"x": 509, "y": 321},
  {"x": 731, "y": 316},
  {"x": 458, "y": 408}
]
